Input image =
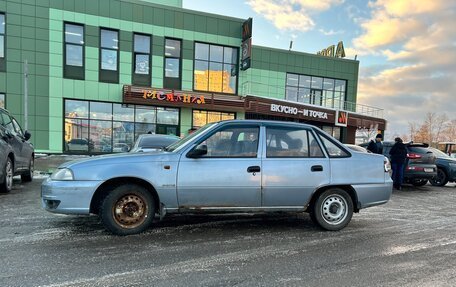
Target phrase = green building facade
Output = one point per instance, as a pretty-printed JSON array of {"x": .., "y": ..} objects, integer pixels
[{"x": 99, "y": 73}]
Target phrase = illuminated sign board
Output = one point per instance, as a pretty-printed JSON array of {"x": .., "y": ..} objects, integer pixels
[
  {"x": 341, "y": 118},
  {"x": 173, "y": 97},
  {"x": 294, "y": 111},
  {"x": 246, "y": 46},
  {"x": 329, "y": 52}
]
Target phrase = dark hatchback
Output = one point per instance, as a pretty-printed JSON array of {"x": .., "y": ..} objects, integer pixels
[
  {"x": 420, "y": 165},
  {"x": 16, "y": 152},
  {"x": 446, "y": 168}
]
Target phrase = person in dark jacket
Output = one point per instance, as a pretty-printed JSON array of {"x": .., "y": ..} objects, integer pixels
[
  {"x": 377, "y": 146},
  {"x": 398, "y": 154}
]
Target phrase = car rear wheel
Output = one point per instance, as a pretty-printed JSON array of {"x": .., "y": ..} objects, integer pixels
[
  {"x": 127, "y": 209},
  {"x": 440, "y": 179},
  {"x": 419, "y": 182},
  {"x": 333, "y": 209},
  {"x": 7, "y": 181},
  {"x": 28, "y": 176}
]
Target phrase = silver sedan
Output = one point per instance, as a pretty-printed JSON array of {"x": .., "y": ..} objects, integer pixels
[{"x": 229, "y": 166}]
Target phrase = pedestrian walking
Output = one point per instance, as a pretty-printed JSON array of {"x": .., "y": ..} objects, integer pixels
[
  {"x": 376, "y": 146},
  {"x": 398, "y": 154}
]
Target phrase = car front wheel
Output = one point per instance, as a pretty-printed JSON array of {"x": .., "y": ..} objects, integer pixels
[
  {"x": 440, "y": 179},
  {"x": 7, "y": 181},
  {"x": 127, "y": 209},
  {"x": 333, "y": 209}
]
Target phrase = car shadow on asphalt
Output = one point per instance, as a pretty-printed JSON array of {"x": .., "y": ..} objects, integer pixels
[{"x": 196, "y": 224}]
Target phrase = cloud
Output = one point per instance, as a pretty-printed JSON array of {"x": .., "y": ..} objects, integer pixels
[
  {"x": 292, "y": 15},
  {"x": 330, "y": 32},
  {"x": 416, "y": 39}
]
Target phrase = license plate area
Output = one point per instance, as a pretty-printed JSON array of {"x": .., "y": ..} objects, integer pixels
[{"x": 428, "y": 170}]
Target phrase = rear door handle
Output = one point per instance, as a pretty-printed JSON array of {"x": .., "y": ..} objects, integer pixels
[
  {"x": 253, "y": 169},
  {"x": 316, "y": 168}
]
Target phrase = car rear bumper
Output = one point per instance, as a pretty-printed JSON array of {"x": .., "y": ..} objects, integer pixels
[
  {"x": 68, "y": 197},
  {"x": 374, "y": 194},
  {"x": 422, "y": 171}
]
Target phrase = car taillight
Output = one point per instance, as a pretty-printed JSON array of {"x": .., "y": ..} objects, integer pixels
[
  {"x": 413, "y": 155},
  {"x": 386, "y": 164}
]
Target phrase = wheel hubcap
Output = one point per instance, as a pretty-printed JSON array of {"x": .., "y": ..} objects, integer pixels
[
  {"x": 130, "y": 211},
  {"x": 334, "y": 209}
]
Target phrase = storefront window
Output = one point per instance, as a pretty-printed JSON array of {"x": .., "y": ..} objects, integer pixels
[
  {"x": 99, "y": 127},
  {"x": 200, "y": 118},
  {"x": 2, "y": 35},
  {"x": 2, "y": 100},
  {"x": 215, "y": 68},
  {"x": 319, "y": 91}
]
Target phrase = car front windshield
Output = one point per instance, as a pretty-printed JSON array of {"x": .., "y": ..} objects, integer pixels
[{"x": 182, "y": 142}]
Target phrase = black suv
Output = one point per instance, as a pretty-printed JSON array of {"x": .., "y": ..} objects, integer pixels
[
  {"x": 16, "y": 153},
  {"x": 420, "y": 165}
]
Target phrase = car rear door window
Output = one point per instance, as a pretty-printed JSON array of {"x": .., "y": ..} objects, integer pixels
[
  {"x": 333, "y": 149},
  {"x": 291, "y": 143}
]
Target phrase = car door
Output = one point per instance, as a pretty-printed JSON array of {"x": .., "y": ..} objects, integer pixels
[
  {"x": 228, "y": 175},
  {"x": 11, "y": 136},
  {"x": 26, "y": 149},
  {"x": 294, "y": 165}
]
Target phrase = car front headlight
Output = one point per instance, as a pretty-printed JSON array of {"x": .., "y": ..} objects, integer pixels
[{"x": 62, "y": 174}]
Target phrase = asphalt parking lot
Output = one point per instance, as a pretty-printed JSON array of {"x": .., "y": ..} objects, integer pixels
[{"x": 411, "y": 241}]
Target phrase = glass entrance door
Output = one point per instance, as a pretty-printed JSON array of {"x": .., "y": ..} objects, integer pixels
[{"x": 315, "y": 97}]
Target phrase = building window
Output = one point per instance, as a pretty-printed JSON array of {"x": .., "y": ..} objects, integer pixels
[
  {"x": 2, "y": 42},
  {"x": 172, "y": 79},
  {"x": 200, "y": 117},
  {"x": 109, "y": 55},
  {"x": 141, "y": 60},
  {"x": 2, "y": 100},
  {"x": 318, "y": 91},
  {"x": 74, "y": 51},
  {"x": 100, "y": 127},
  {"x": 215, "y": 68}
]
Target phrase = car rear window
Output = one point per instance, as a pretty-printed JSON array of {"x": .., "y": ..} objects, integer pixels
[{"x": 419, "y": 150}]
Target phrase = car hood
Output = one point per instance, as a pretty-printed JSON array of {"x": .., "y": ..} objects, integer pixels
[
  {"x": 122, "y": 158},
  {"x": 445, "y": 160}
]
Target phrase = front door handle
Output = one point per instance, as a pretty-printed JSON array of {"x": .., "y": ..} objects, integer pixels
[
  {"x": 316, "y": 168},
  {"x": 253, "y": 169}
]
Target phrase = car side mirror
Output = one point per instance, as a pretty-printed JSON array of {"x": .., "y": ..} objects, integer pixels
[
  {"x": 27, "y": 135},
  {"x": 198, "y": 151}
]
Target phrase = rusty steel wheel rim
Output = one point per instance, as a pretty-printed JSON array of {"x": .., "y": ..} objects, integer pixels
[{"x": 130, "y": 211}]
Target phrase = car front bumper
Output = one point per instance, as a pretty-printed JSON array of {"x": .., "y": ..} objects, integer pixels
[{"x": 68, "y": 197}]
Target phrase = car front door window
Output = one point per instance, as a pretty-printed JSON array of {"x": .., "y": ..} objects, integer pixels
[{"x": 233, "y": 142}]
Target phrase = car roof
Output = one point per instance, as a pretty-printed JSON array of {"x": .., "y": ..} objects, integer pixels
[{"x": 268, "y": 123}]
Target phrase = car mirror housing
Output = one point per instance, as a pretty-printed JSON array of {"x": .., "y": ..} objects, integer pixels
[
  {"x": 198, "y": 151},
  {"x": 27, "y": 135}
]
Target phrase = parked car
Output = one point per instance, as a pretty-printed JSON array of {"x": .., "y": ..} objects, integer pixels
[
  {"x": 78, "y": 144},
  {"x": 120, "y": 147},
  {"x": 446, "y": 168},
  {"x": 357, "y": 148},
  {"x": 229, "y": 166},
  {"x": 153, "y": 142},
  {"x": 16, "y": 152},
  {"x": 420, "y": 164}
]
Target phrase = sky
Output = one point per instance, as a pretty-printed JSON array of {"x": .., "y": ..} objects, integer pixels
[{"x": 406, "y": 48}]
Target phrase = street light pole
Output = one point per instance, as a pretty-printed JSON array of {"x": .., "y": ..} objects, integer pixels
[{"x": 25, "y": 95}]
